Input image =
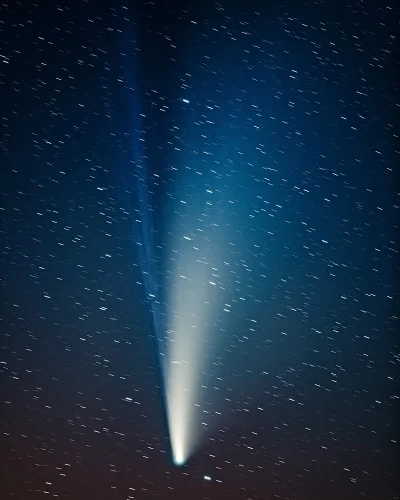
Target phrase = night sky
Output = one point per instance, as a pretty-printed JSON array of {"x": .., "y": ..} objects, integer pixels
[{"x": 246, "y": 153}]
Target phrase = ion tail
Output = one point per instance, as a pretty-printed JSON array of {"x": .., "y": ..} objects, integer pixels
[{"x": 136, "y": 184}]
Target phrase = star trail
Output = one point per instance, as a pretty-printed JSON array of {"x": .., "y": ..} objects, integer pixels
[{"x": 199, "y": 250}]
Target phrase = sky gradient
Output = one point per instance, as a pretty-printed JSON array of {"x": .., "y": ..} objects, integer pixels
[{"x": 213, "y": 182}]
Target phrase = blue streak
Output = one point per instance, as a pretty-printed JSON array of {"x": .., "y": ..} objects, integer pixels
[{"x": 143, "y": 225}]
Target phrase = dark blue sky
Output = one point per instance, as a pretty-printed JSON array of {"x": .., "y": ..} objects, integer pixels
[{"x": 269, "y": 137}]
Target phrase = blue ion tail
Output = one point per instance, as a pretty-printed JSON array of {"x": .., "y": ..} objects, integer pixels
[
  {"x": 140, "y": 207},
  {"x": 137, "y": 198}
]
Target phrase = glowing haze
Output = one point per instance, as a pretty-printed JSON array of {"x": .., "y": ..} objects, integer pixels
[
  {"x": 192, "y": 299},
  {"x": 199, "y": 283}
]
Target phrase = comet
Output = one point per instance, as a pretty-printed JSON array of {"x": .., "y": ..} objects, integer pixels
[{"x": 183, "y": 325}]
